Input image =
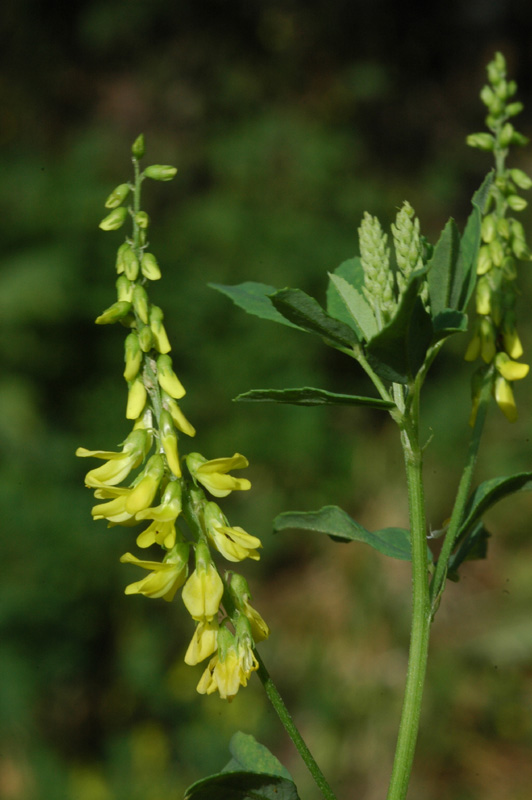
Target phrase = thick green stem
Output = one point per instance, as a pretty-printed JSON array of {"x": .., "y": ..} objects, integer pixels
[
  {"x": 289, "y": 725},
  {"x": 421, "y": 618}
]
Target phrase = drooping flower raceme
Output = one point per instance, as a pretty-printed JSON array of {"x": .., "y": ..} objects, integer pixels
[{"x": 147, "y": 481}]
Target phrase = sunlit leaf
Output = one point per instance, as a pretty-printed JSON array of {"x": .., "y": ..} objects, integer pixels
[{"x": 254, "y": 298}]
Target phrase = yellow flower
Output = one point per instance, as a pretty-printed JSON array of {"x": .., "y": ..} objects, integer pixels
[
  {"x": 143, "y": 493},
  {"x": 115, "y": 509},
  {"x": 162, "y": 533},
  {"x": 504, "y": 398},
  {"x": 165, "y": 577},
  {"x": 213, "y": 474},
  {"x": 169, "y": 442},
  {"x": 118, "y": 465},
  {"x": 202, "y": 593},
  {"x": 230, "y": 667},
  {"x": 203, "y": 643},
  {"x": 167, "y": 378},
  {"x": 511, "y": 370},
  {"x": 162, "y": 529},
  {"x": 233, "y": 543}
]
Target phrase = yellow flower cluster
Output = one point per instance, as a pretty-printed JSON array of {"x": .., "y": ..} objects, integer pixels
[
  {"x": 163, "y": 489},
  {"x": 495, "y": 338}
]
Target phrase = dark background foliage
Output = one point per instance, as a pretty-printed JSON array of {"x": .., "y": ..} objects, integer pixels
[{"x": 287, "y": 120}]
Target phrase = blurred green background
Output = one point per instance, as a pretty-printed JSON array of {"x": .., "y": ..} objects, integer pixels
[{"x": 287, "y": 119}]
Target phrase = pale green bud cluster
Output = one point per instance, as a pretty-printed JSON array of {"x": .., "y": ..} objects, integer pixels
[
  {"x": 503, "y": 239},
  {"x": 378, "y": 278},
  {"x": 167, "y": 486},
  {"x": 382, "y": 288}
]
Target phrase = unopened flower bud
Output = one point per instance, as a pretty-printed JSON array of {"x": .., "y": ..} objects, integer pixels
[
  {"x": 145, "y": 338},
  {"x": 483, "y": 296},
  {"x": 160, "y": 172},
  {"x": 159, "y": 332},
  {"x": 512, "y": 343},
  {"x": 114, "y": 220},
  {"x": 512, "y": 109},
  {"x": 496, "y": 252},
  {"x": 482, "y": 141},
  {"x": 124, "y": 288},
  {"x": 488, "y": 228},
  {"x": 141, "y": 303},
  {"x": 136, "y": 399},
  {"x": 484, "y": 262},
  {"x": 132, "y": 356},
  {"x": 142, "y": 494},
  {"x": 138, "y": 148},
  {"x": 487, "y": 340},
  {"x": 506, "y": 135},
  {"x": 516, "y": 203},
  {"x": 169, "y": 442},
  {"x": 167, "y": 378},
  {"x": 180, "y": 421},
  {"x": 115, "y": 312},
  {"x": 130, "y": 263},
  {"x": 504, "y": 397},
  {"x": 520, "y": 178},
  {"x": 117, "y": 196},
  {"x": 150, "y": 267},
  {"x": 142, "y": 219}
]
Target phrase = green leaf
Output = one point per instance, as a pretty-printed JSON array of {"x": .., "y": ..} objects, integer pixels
[
  {"x": 359, "y": 316},
  {"x": 442, "y": 268},
  {"x": 307, "y": 396},
  {"x": 490, "y": 492},
  {"x": 474, "y": 546},
  {"x": 448, "y": 322},
  {"x": 255, "y": 299},
  {"x": 398, "y": 351},
  {"x": 305, "y": 312},
  {"x": 337, "y": 524},
  {"x": 242, "y": 786},
  {"x": 251, "y": 756},
  {"x": 466, "y": 272},
  {"x": 253, "y": 773}
]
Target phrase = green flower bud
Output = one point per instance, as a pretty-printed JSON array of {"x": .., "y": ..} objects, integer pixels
[
  {"x": 142, "y": 219},
  {"x": 150, "y": 267},
  {"x": 137, "y": 150},
  {"x": 496, "y": 252},
  {"x": 160, "y": 172},
  {"x": 483, "y": 141},
  {"x": 486, "y": 95},
  {"x": 117, "y": 196},
  {"x": 136, "y": 399},
  {"x": 521, "y": 249},
  {"x": 513, "y": 109},
  {"x": 124, "y": 288},
  {"x": 120, "y": 257},
  {"x": 484, "y": 262},
  {"x": 488, "y": 228},
  {"x": 169, "y": 442},
  {"x": 145, "y": 338},
  {"x": 114, "y": 220},
  {"x": 503, "y": 227},
  {"x": 520, "y": 178},
  {"x": 144, "y": 492},
  {"x": 519, "y": 139},
  {"x": 130, "y": 263},
  {"x": 487, "y": 340},
  {"x": 159, "y": 332},
  {"x": 509, "y": 269},
  {"x": 115, "y": 312},
  {"x": 167, "y": 378},
  {"x": 505, "y": 136},
  {"x": 516, "y": 203},
  {"x": 132, "y": 356},
  {"x": 483, "y": 296},
  {"x": 141, "y": 303}
]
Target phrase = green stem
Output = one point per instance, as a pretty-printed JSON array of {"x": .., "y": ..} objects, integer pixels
[
  {"x": 464, "y": 487},
  {"x": 289, "y": 725},
  {"x": 421, "y": 618}
]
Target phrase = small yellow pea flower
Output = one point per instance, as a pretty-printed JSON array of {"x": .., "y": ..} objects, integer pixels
[{"x": 213, "y": 474}]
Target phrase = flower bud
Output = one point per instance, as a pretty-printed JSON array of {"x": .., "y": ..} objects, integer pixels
[
  {"x": 138, "y": 148},
  {"x": 519, "y": 139},
  {"x": 143, "y": 493},
  {"x": 145, "y": 338},
  {"x": 115, "y": 312},
  {"x": 180, "y": 421},
  {"x": 509, "y": 268},
  {"x": 142, "y": 219},
  {"x": 167, "y": 378},
  {"x": 117, "y": 196},
  {"x": 483, "y": 141},
  {"x": 114, "y": 220},
  {"x": 487, "y": 340},
  {"x": 512, "y": 343},
  {"x": 484, "y": 262},
  {"x": 130, "y": 263},
  {"x": 512, "y": 109},
  {"x": 506, "y": 134},
  {"x": 516, "y": 203},
  {"x": 503, "y": 227},
  {"x": 159, "y": 332},
  {"x": 202, "y": 593},
  {"x": 483, "y": 296},
  {"x": 496, "y": 252},
  {"x": 136, "y": 399},
  {"x": 169, "y": 442},
  {"x": 160, "y": 172},
  {"x": 504, "y": 397},
  {"x": 120, "y": 257},
  {"x": 140, "y": 303},
  {"x": 509, "y": 369},
  {"x": 520, "y": 178},
  {"x": 150, "y": 267},
  {"x": 124, "y": 288},
  {"x": 132, "y": 356},
  {"x": 488, "y": 228}
]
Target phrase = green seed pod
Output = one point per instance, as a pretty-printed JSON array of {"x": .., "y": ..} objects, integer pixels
[
  {"x": 160, "y": 172},
  {"x": 142, "y": 219},
  {"x": 115, "y": 312},
  {"x": 145, "y": 338},
  {"x": 516, "y": 203},
  {"x": 150, "y": 267},
  {"x": 141, "y": 303},
  {"x": 520, "y": 178},
  {"x": 117, "y": 196},
  {"x": 137, "y": 149},
  {"x": 483, "y": 141},
  {"x": 114, "y": 220}
]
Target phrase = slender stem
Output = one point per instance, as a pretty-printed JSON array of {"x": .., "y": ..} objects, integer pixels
[
  {"x": 289, "y": 725},
  {"x": 421, "y": 618},
  {"x": 464, "y": 487}
]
